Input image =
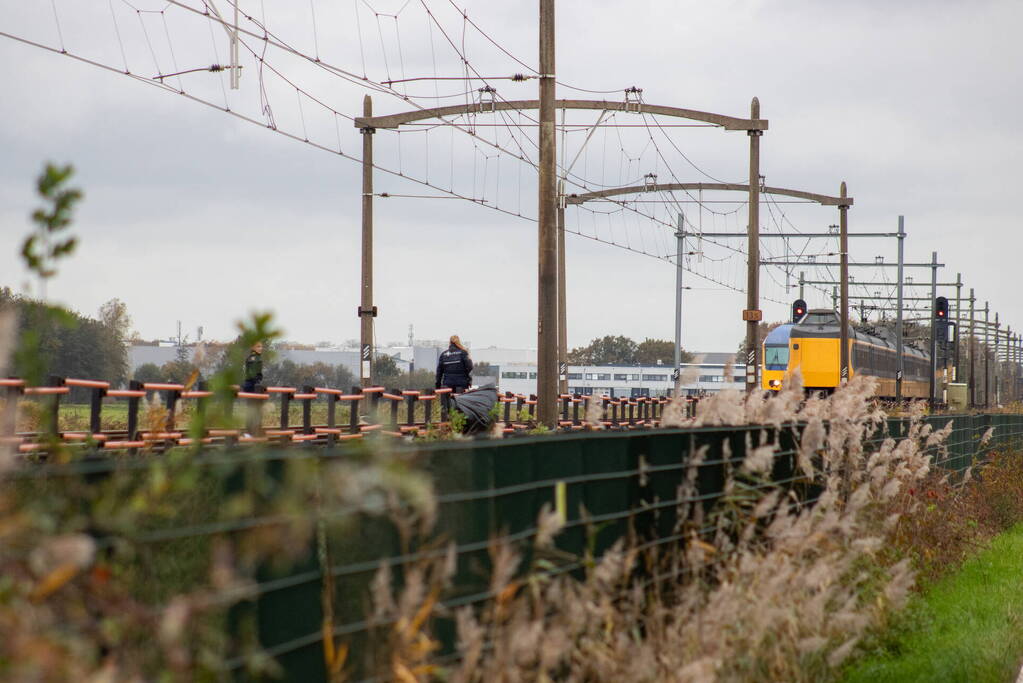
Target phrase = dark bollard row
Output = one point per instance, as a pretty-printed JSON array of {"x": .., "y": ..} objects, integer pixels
[{"x": 155, "y": 411}]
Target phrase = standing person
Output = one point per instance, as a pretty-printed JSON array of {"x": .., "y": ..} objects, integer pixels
[
  {"x": 454, "y": 367},
  {"x": 253, "y": 368}
]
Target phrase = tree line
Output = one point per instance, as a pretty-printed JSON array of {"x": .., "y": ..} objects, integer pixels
[
  {"x": 51, "y": 340},
  {"x": 620, "y": 350},
  {"x": 285, "y": 372}
]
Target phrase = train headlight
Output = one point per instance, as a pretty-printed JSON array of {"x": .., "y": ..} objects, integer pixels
[{"x": 774, "y": 383}]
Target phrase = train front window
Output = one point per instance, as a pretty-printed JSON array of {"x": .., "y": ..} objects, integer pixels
[
  {"x": 776, "y": 357},
  {"x": 826, "y": 318}
]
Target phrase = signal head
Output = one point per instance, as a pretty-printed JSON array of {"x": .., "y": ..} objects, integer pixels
[{"x": 798, "y": 310}]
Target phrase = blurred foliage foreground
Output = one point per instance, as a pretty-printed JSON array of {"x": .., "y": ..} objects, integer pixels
[{"x": 160, "y": 567}]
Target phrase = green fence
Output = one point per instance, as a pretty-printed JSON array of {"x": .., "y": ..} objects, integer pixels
[
  {"x": 607, "y": 484},
  {"x": 611, "y": 482}
]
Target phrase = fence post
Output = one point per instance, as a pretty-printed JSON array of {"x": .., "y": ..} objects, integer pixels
[
  {"x": 374, "y": 403},
  {"x": 331, "y": 417},
  {"x": 576, "y": 399},
  {"x": 133, "y": 410},
  {"x": 53, "y": 403},
  {"x": 353, "y": 410},
  {"x": 395, "y": 404},
  {"x": 428, "y": 410},
  {"x": 172, "y": 403},
  {"x": 411, "y": 398},
  {"x": 307, "y": 409},
  {"x": 285, "y": 409},
  {"x": 254, "y": 415},
  {"x": 9, "y": 425},
  {"x": 200, "y": 405},
  {"x": 445, "y": 405},
  {"x": 95, "y": 406}
]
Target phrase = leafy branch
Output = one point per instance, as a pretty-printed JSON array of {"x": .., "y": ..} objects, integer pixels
[{"x": 44, "y": 247}]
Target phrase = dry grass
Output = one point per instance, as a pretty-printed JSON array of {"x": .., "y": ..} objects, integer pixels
[{"x": 762, "y": 589}]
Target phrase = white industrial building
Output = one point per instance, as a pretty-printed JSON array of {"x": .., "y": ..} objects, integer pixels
[{"x": 706, "y": 375}]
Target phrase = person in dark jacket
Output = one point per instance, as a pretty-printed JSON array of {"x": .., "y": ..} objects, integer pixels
[
  {"x": 454, "y": 367},
  {"x": 253, "y": 368}
]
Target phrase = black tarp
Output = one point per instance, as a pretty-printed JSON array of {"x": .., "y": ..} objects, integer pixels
[{"x": 476, "y": 406}]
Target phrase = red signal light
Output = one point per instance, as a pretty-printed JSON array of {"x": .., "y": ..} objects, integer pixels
[{"x": 798, "y": 310}]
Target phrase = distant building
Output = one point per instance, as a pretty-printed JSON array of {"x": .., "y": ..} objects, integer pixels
[
  {"x": 512, "y": 369},
  {"x": 705, "y": 376}
]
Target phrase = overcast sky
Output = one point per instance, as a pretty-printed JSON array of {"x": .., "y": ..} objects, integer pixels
[{"x": 195, "y": 215}]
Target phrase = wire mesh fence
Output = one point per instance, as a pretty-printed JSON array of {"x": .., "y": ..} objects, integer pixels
[{"x": 314, "y": 527}]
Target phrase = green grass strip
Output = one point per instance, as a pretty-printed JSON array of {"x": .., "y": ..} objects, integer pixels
[{"x": 967, "y": 627}]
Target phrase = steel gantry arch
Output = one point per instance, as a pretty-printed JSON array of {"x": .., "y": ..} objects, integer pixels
[
  {"x": 823, "y": 200},
  {"x": 395, "y": 120},
  {"x": 551, "y": 318},
  {"x": 751, "y": 315}
]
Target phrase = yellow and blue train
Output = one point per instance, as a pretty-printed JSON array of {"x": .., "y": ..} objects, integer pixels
[{"x": 812, "y": 346}]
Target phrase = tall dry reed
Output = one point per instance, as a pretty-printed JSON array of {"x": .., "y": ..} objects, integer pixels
[{"x": 765, "y": 587}]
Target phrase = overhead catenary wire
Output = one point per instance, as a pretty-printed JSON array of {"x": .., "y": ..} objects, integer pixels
[{"x": 302, "y": 96}]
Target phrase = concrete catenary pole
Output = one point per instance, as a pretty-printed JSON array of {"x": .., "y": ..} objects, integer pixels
[
  {"x": 955, "y": 362},
  {"x": 898, "y": 312},
  {"x": 1003, "y": 367},
  {"x": 366, "y": 309},
  {"x": 562, "y": 277},
  {"x": 1018, "y": 371},
  {"x": 752, "y": 314},
  {"x": 843, "y": 238},
  {"x": 802, "y": 279},
  {"x": 1017, "y": 353},
  {"x": 680, "y": 237},
  {"x": 1015, "y": 365},
  {"x": 547, "y": 284},
  {"x": 987, "y": 356},
  {"x": 971, "y": 351},
  {"x": 998, "y": 363},
  {"x": 934, "y": 337}
]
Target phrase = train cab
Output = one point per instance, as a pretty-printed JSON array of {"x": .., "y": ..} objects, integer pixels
[
  {"x": 814, "y": 349},
  {"x": 775, "y": 355}
]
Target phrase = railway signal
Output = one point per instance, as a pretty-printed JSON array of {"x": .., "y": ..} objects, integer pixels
[
  {"x": 941, "y": 320},
  {"x": 798, "y": 310}
]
